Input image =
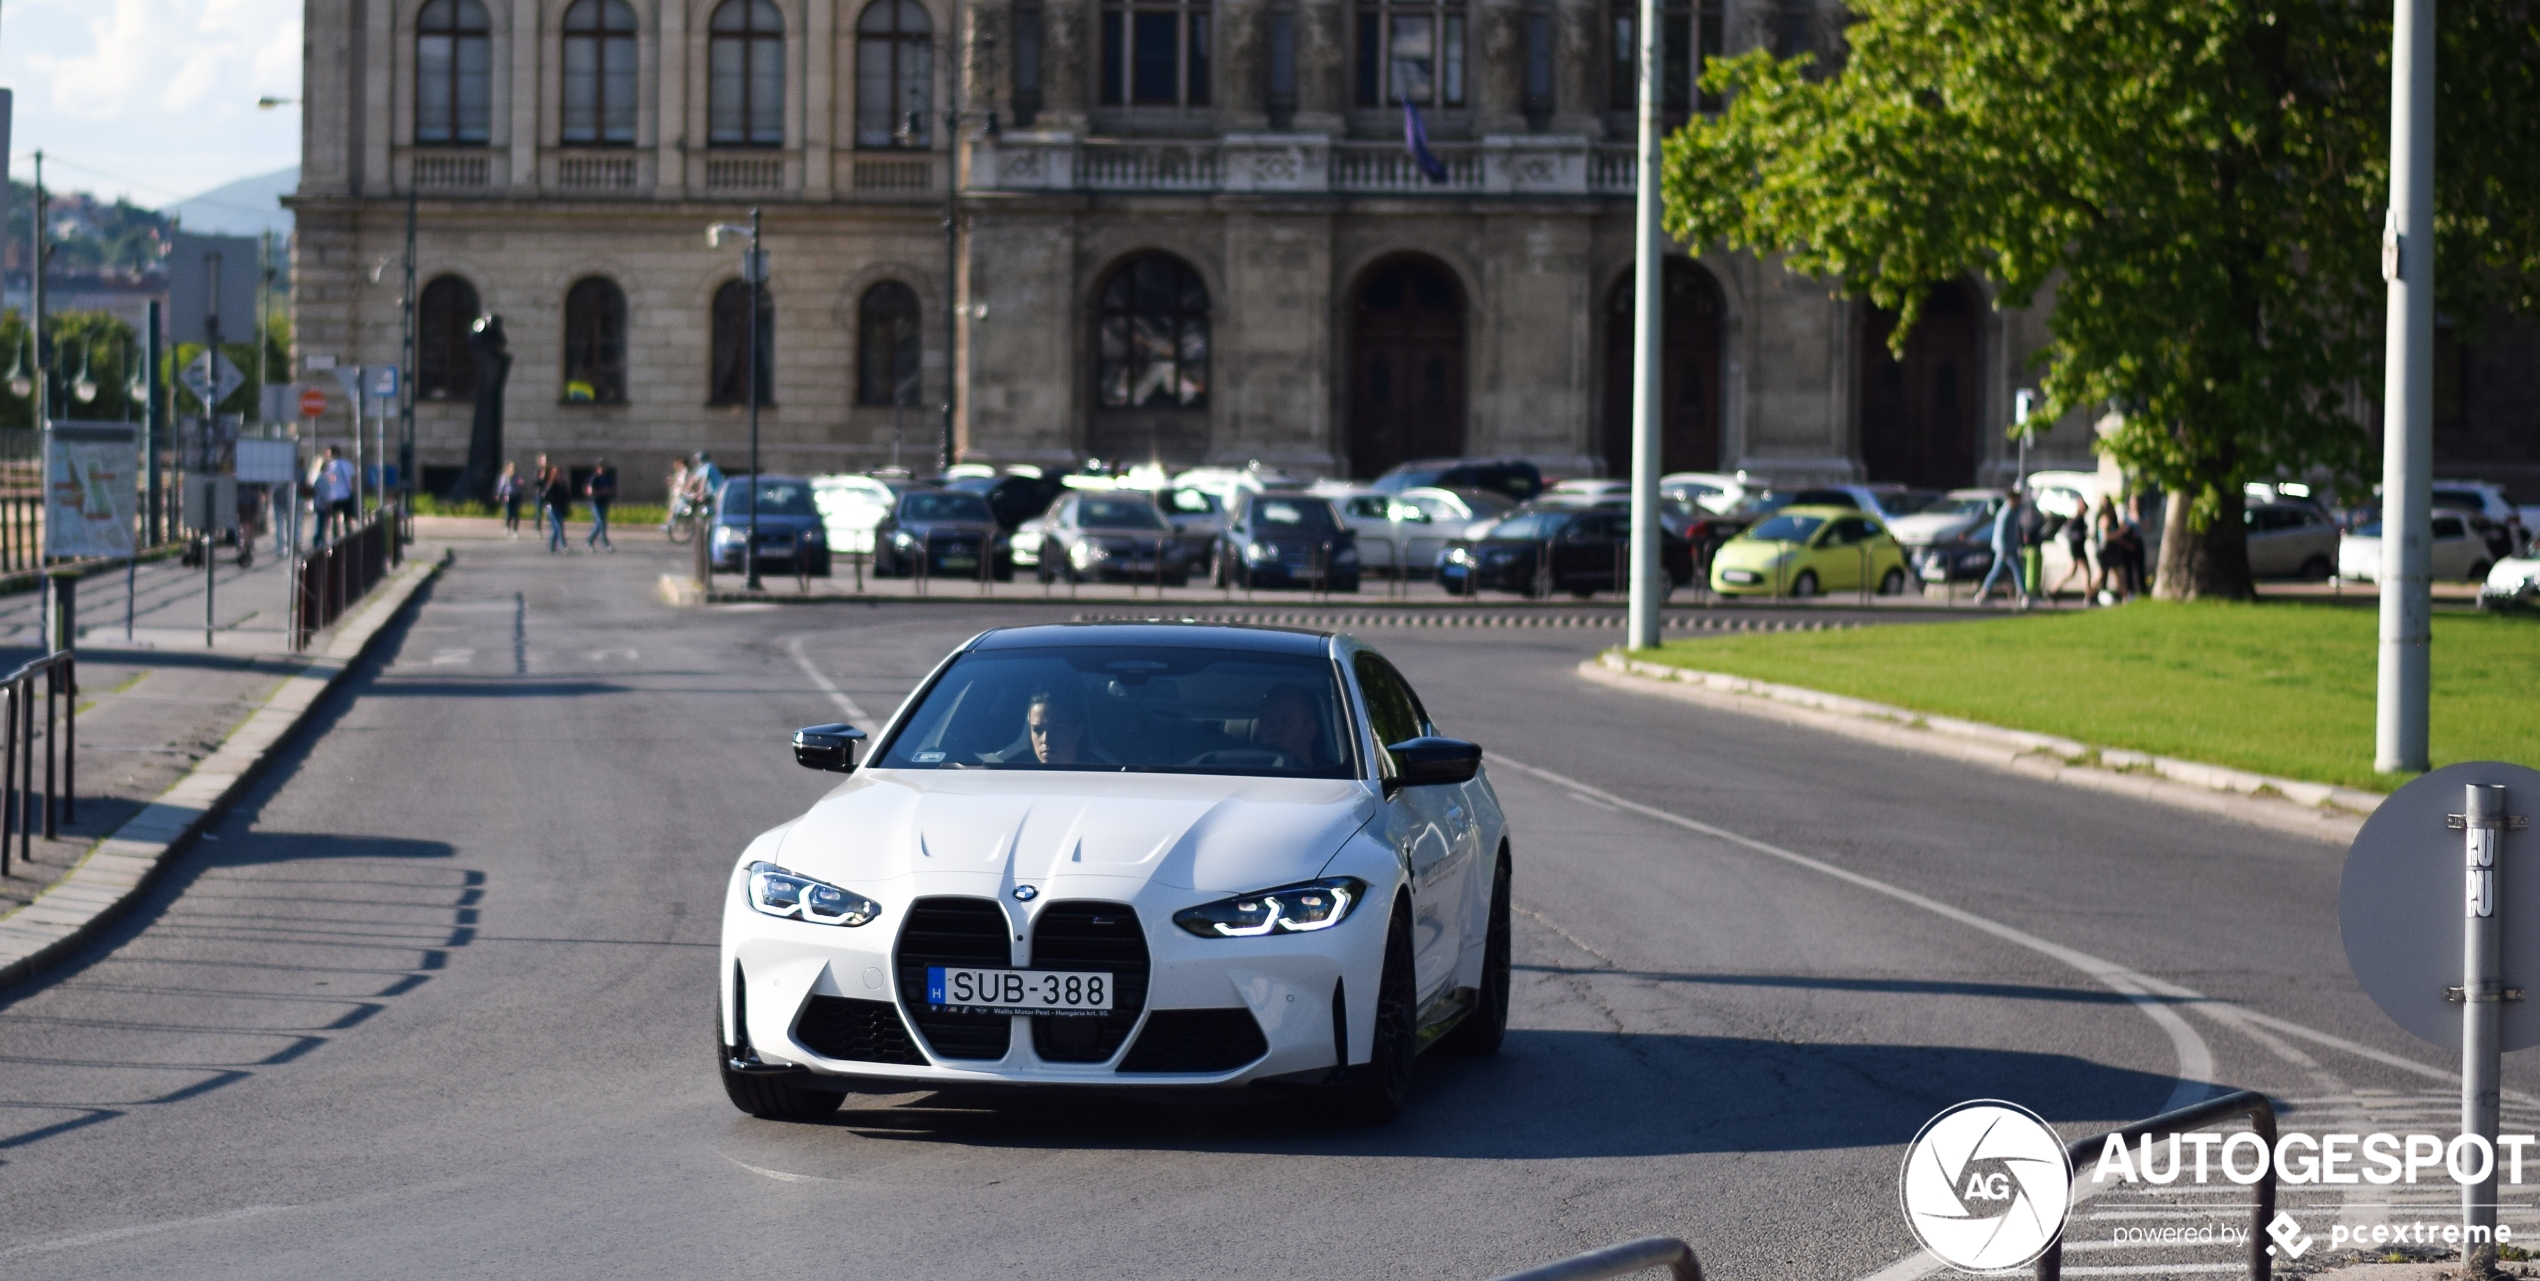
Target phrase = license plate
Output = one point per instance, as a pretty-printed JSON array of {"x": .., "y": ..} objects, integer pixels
[
  {"x": 1741, "y": 576},
  {"x": 961, "y": 562},
  {"x": 970, "y": 991}
]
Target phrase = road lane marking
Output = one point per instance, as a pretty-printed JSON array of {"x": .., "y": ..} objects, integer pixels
[
  {"x": 827, "y": 686},
  {"x": 781, "y": 1176},
  {"x": 138, "y": 1229}
]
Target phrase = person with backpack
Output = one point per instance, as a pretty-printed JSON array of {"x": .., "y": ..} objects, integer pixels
[{"x": 601, "y": 489}]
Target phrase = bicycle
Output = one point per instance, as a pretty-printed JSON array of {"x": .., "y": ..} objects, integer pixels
[{"x": 687, "y": 517}]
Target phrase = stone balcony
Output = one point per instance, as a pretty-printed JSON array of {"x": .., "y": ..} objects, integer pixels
[{"x": 1301, "y": 164}]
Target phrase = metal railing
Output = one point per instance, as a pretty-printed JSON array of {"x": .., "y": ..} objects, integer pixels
[
  {"x": 20, "y": 809},
  {"x": 1620, "y": 1261},
  {"x": 332, "y": 578},
  {"x": 2233, "y": 1106}
]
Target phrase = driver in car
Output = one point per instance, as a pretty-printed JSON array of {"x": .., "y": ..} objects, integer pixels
[
  {"x": 1286, "y": 724},
  {"x": 1054, "y": 732}
]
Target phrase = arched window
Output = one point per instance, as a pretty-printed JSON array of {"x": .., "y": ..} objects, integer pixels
[
  {"x": 599, "y": 73},
  {"x": 445, "y": 368},
  {"x": 745, "y": 100},
  {"x": 887, "y": 345},
  {"x": 595, "y": 342},
  {"x": 454, "y": 84},
  {"x": 728, "y": 383},
  {"x": 894, "y": 74},
  {"x": 1153, "y": 335}
]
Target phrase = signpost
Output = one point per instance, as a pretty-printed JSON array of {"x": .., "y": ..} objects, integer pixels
[
  {"x": 211, "y": 378},
  {"x": 312, "y": 403},
  {"x": 90, "y": 502},
  {"x": 2451, "y": 959}
]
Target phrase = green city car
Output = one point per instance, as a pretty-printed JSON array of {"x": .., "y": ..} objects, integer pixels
[{"x": 1808, "y": 551}]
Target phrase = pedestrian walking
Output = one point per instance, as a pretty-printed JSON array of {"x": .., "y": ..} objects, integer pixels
[
  {"x": 555, "y": 502},
  {"x": 331, "y": 495},
  {"x": 2076, "y": 535},
  {"x": 2006, "y": 550},
  {"x": 601, "y": 489},
  {"x": 507, "y": 494}
]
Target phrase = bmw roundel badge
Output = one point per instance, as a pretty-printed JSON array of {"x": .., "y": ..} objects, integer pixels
[{"x": 1025, "y": 893}]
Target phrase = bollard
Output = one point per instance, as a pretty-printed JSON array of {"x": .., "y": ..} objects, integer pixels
[{"x": 2482, "y": 1007}]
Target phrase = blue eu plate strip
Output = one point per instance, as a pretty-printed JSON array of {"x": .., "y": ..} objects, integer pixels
[{"x": 934, "y": 985}]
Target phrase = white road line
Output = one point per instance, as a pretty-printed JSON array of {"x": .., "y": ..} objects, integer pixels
[
  {"x": 138, "y": 1229},
  {"x": 827, "y": 686}
]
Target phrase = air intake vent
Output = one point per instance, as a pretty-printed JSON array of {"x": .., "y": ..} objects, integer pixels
[
  {"x": 1196, "y": 1041},
  {"x": 1090, "y": 936},
  {"x": 954, "y": 931},
  {"x": 838, "y": 1027}
]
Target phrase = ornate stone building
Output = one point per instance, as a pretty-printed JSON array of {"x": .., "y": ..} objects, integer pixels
[{"x": 1188, "y": 229}]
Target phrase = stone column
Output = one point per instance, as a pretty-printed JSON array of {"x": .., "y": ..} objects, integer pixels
[
  {"x": 670, "y": 79},
  {"x": 1322, "y": 66},
  {"x": 392, "y": 124},
  {"x": 1271, "y": 340},
  {"x": 1243, "y": 65},
  {"x": 819, "y": 116},
  {"x": 1581, "y": 32},
  {"x": 525, "y": 96},
  {"x": 1495, "y": 66},
  {"x": 1069, "y": 29}
]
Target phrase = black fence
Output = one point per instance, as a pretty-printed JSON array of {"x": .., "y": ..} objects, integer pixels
[
  {"x": 2230, "y": 1107},
  {"x": 22, "y": 807},
  {"x": 334, "y": 577}
]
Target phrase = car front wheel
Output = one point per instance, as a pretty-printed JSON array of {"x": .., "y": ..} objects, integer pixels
[
  {"x": 1805, "y": 584},
  {"x": 1373, "y": 1092}
]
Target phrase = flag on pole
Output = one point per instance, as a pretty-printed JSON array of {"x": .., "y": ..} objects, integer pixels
[{"x": 1415, "y": 136}]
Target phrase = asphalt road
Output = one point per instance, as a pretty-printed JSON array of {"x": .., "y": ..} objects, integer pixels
[{"x": 437, "y": 1000}]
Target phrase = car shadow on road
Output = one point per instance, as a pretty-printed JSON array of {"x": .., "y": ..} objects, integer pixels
[{"x": 1562, "y": 1094}]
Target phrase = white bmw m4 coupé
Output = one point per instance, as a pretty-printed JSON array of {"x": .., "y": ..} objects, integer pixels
[{"x": 1124, "y": 855}]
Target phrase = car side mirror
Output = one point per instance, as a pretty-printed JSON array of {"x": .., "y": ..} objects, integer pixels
[
  {"x": 827, "y": 747},
  {"x": 1431, "y": 761}
]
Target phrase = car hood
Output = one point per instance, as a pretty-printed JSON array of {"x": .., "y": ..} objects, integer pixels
[
  {"x": 1920, "y": 530},
  {"x": 1752, "y": 551},
  {"x": 1210, "y": 833}
]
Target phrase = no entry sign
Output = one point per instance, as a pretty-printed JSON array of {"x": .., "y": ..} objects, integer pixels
[{"x": 312, "y": 403}]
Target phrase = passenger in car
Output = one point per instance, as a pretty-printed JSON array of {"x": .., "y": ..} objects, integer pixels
[{"x": 1287, "y": 725}]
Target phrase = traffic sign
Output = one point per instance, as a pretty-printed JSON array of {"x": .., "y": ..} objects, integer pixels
[
  {"x": 312, "y": 402},
  {"x": 2401, "y": 904},
  {"x": 211, "y": 378},
  {"x": 382, "y": 381}
]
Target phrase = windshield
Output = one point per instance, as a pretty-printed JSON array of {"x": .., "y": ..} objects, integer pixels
[
  {"x": 1526, "y": 526},
  {"x": 775, "y": 498},
  {"x": 1117, "y": 513},
  {"x": 946, "y": 506},
  {"x": 1118, "y": 709},
  {"x": 1786, "y": 529},
  {"x": 1958, "y": 507},
  {"x": 1293, "y": 515},
  {"x": 1397, "y": 481}
]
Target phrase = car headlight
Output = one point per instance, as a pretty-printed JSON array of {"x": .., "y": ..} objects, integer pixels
[
  {"x": 814, "y": 536},
  {"x": 726, "y": 534},
  {"x": 1260, "y": 552},
  {"x": 1088, "y": 553},
  {"x": 1291, "y": 909},
  {"x": 900, "y": 538},
  {"x": 777, "y": 892}
]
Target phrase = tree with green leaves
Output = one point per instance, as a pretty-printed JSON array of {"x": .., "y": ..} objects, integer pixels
[{"x": 2197, "y": 190}]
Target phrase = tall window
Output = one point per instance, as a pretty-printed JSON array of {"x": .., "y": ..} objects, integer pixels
[
  {"x": 599, "y": 73},
  {"x": 728, "y": 382},
  {"x": 1539, "y": 53},
  {"x": 887, "y": 346},
  {"x": 445, "y": 367},
  {"x": 1676, "y": 76},
  {"x": 1155, "y": 53},
  {"x": 894, "y": 74},
  {"x": 1152, "y": 335},
  {"x": 454, "y": 83},
  {"x": 745, "y": 53},
  {"x": 595, "y": 342},
  {"x": 1281, "y": 84},
  {"x": 1410, "y": 52},
  {"x": 1027, "y": 64}
]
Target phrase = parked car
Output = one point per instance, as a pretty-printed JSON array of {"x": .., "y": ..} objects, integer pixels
[
  {"x": 1369, "y": 515},
  {"x": 1434, "y": 520},
  {"x": 2292, "y": 540},
  {"x": 2457, "y": 552},
  {"x": 1547, "y": 547},
  {"x": 1119, "y": 535},
  {"x": 1012, "y": 499},
  {"x": 1807, "y": 551},
  {"x": 1515, "y": 477},
  {"x": 1711, "y": 491},
  {"x": 1885, "y": 501},
  {"x": 2489, "y": 507},
  {"x": 1951, "y": 537},
  {"x": 2513, "y": 581},
  {"x": 1283, "y": 539},
  {"x": 1197, "y": 515},
  {"x": 1227, "y": 484},
  {"x": 850, "y": 506},
  {"x": 946, "y": 533},
  {"x": 1591, "y": 488},
  {"x": 791, "y": 537}
]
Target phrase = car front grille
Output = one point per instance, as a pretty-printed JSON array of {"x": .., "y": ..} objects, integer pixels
[
  {"x": 1090, "y": 936},
  {"x": 1196, "y": 1041},
  {"x": 954, "y": 931},
  {"x": 840, "y": 1027}
]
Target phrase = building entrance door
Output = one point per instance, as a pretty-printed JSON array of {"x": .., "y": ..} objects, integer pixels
[
  {"x": 1918, "y": 414},
  {"x": 1689, "y": 400},
  {"x": 1406, "y": 365}
]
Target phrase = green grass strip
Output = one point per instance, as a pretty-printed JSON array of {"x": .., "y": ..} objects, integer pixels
[{"x": 2281, "y": 688}]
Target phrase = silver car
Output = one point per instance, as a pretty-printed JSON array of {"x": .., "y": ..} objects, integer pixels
[{"x": 2291, "y": 540}]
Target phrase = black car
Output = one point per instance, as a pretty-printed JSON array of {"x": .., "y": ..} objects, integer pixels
[
  {"x": 1112, "y": 536},
  {"x": 942, "y": 533},
  {"x": 1514, "y": 477},
  {"x": 1011, "y": 499},
  {"x": 1286, "y": 540},
  {"x": 791, "y": 537},
  {"x": 1581, "y": 550}
]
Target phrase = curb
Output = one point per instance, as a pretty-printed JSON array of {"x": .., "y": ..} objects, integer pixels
[
  {"x": 2317, "y": 810},
  {"x": 120, "y": 866},
  {"x": 680, "y": 591}
]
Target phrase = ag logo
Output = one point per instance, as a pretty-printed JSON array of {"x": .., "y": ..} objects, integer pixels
[{"x": 1986, "y": 1186}]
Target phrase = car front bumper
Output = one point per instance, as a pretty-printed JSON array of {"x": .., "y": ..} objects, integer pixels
[{"x": 848, "y": 1005}]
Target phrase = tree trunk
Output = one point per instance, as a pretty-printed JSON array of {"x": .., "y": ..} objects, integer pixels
[{"x": 2208, "y": 564}]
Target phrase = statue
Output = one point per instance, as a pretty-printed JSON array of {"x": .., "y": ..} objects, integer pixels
[{"x": 485, "y": 438}]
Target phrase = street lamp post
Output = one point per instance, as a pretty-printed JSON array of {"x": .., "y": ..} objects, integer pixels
[{"x": 754, "y": 272}]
